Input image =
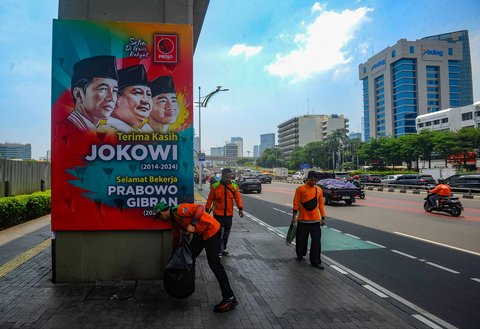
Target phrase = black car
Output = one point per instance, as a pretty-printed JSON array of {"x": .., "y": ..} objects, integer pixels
[
  {"x": 412, "y": 179},
  {"x": 265, "y": 179},
  {"x": 249, "y": 184},
  {"x": 464, "y": 181}
]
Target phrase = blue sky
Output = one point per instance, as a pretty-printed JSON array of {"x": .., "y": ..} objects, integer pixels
[{"x": 280, "y": 59}]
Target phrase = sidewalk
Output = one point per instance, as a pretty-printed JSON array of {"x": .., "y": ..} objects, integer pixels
[{"x": 273, "y": 289}]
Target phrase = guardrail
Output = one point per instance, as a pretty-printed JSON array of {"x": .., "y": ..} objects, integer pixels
[{"x": 467, "y": 193}]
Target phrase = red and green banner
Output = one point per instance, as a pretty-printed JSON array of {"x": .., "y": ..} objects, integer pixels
[{"x": 122, "y": 113}]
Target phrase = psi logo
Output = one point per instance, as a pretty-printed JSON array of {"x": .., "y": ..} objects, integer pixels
[{"x": 165, "y": 50}]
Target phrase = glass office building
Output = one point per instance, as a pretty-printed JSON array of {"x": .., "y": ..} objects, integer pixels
[
  {"x": 412, "y": 78},
  {"x": 15, "y": 151}
]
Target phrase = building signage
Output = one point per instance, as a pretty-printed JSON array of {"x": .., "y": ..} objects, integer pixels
[
  {"x": 122, "y": 134},
  {"x": 378, "y": 64},
  {"x": 433, "y": 52}
]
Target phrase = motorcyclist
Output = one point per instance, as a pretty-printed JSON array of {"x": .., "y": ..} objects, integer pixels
[
  {"x": 442, "y": 190},
  {"x": 356, "y": 181}
]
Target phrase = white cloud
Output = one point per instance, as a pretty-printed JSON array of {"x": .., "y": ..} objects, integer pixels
[
  {"x": 322, "y": 46},
  {"x": 317, "y": 6},
  {"x": 341, "y": 72},
  {"x": 364, "y": 46},
  {"x": 243, "y": 49}
]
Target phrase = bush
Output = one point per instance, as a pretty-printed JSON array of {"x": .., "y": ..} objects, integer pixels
[{"x": 15, "y": 210}]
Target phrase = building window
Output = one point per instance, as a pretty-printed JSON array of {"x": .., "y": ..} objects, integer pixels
[
  {"x": 450, "y": 51},
  {"x": 364, "y": 70},
  {"x": 467, "y": 116},
  {"x": 436, "y": 122},
  {"x": 445, "y": 120},
  {"x": 393, "y": 53},
  {"x": 412, "y": 49},
  {"x": 428, "y": 123},
  {"x": 420, "y": 125}
]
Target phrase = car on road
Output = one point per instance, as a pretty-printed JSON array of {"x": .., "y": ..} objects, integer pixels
[
  {"x": 265, "y": 178},
  {"x": 249, "y": 184},
  {"x": 342, "y": 176},
  {"x": 464, "y": 181},
  {"x": 414, "y": 180},
  {"x": 389, "y": 178},
  {"x": 370, "y": 178},
  {"x": 298, "y": 175}
]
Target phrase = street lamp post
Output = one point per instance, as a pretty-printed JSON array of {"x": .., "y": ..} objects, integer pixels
[{"x": 203, "y": 103}]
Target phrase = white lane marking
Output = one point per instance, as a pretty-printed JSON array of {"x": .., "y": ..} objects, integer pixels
[
  {"x": 426, "y": 321},
  {"x": 376, "y": 244},
  {"x": 438, "y": 243},
  {"x": 443, "y": 268},
  {"x": 375, "y": 291},
  {"x": 338, "y": 269},
  {"x": 282, "y": 211},
  {"x": 475, "y": 279},
  {"x": 289, "y": 204},
  {"x": 334, "y": 229},
  {"x": 404, "y": 254},
  {"x": 377, "y": 286},
  {"x": 391, "y": 294},
  {"x": 353, "y": 236}
]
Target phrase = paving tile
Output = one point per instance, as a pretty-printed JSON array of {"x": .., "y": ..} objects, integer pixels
[{"x": 273, "y": 289}]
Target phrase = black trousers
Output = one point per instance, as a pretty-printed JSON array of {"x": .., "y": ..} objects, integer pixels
[
  {"x": 211, "y": 248},
  {"x": 225, "y": 228},
  {"x": 314, "y": 231}
]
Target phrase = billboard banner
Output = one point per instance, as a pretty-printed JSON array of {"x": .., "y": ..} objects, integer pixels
[{"x": 122, "y": 113}]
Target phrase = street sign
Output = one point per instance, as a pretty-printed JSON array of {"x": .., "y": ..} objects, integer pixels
[
  {"x": 304, "y": 166},
  {"x": 201, "y": 156}
]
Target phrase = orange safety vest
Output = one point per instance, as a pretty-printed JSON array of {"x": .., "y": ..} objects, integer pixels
[
  {"x": 222, "y": 197},
  {"x": 304, "y": 193}
]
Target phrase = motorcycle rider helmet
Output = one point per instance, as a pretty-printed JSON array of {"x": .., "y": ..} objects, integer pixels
[{"x": 356, "y": 177}]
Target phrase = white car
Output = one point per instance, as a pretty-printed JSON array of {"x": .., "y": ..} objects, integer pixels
[
  {"x": 389, "y": 178},
  {"x": 298, "y": 175}
]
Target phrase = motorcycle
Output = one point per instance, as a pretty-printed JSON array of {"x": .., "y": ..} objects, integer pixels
[{"x": 449, "y": 205}]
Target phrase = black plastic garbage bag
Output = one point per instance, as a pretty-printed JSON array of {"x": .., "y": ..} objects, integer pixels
[{"x": 179, "y": 273}]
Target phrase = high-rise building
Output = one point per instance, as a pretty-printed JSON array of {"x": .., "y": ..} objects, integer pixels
[
  {"x": 299, "y": 131},
  {"x": 231, "y": 150},
  {"x": 15, "y": 151},
  {"x": 412, "y": 78},
  {"x": 256, "y": 151},
  {"x": 267, "y": 141},
  {"x": 239, "y": 142},
  {"x": 217, "y": 151},
  {"x": 355, "y": 136}
]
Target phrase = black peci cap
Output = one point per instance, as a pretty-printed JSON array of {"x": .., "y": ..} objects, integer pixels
[
  {"x": 94, "y": 67},
  {"x": 162, "y": 85},
  {"x": 131, "y": 76},
  {"x": 312, "y": 174}
]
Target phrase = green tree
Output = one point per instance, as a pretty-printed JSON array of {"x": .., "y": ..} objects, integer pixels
[
  {"x": 426, "y": 145},
  {"x": 409, "y": 149},
  {"x": 336, "y": 142},
  {"x": 467, "y": 140},
  {"x": 444, "y": 144},
  {"x": 296, "y": 158},
  {"x": 271, "y": 158}
]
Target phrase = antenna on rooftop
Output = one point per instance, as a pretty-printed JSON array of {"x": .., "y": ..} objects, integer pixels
[{"x": 308, "y": 105}]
